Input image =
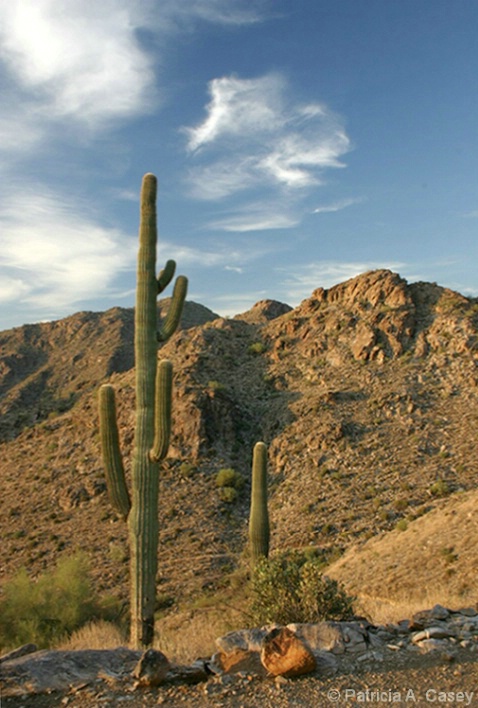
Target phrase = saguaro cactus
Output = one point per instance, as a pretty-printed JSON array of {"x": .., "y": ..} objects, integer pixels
[
  {"x": 259, "y": 517},
  {"x": 153, "y": 421}
]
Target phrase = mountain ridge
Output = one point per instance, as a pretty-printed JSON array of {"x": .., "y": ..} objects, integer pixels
[{"x": 366, "y": 395}]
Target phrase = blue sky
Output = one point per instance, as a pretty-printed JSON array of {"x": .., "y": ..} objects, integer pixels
[{"x": 296, "y": 142}]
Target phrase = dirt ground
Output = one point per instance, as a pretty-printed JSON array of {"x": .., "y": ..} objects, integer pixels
[{"x": 426, "y": 680}]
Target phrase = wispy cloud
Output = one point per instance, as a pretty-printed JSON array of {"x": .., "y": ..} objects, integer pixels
[
  {"x": 53, "y": 258},
  {"x": 337, "y": 206},
  {"x": 227, "y": 12},
  {"x": 260, "y": 216},
  {"x": 263, "y": 140}
]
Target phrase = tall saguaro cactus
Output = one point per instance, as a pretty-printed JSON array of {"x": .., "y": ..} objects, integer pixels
[
  {"x": 153, "y": 421},
  {"x": 259, "y": 516}
]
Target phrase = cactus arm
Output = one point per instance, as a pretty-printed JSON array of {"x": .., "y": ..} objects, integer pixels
[
  {"x": 112, "y": 460},
  {"x": 171, "y": 322},
  {"x": 259, "y": 531},
  {"x": 164, "y": 384},
  {"x": 166, "y": 275}
]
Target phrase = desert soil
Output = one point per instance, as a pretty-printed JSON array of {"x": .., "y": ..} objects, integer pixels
[{"x": 423, "y": 680}]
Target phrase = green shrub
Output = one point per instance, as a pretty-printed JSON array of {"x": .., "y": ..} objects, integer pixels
[
  {"x": 187, "y": 469},
  {"x": 257, "y": 348},
  {"x": 292, "y": 589},
  {"x": 228, "y": 494},
  {"x": 228, "y": 477},
  {"x": 216, "y": 386},
  {"x": 440, "y": 488},
  {"x": 45, "y": 610}
]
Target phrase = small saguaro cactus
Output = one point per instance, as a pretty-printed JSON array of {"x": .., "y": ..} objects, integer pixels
[
  {"x": 153, "y": 421},
  {"x": 259, "y": 517}
]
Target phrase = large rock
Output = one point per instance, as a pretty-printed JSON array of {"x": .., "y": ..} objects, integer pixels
[
  {"x": 284, "y": 654},
  {"x": 151, "y": 669}
]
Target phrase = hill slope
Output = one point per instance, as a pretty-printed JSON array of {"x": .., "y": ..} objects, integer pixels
[{"x": 366, "y": 395}]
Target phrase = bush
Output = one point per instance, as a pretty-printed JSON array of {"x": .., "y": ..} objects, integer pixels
[
  {"x": 228, "y": 494},
  {"x": 440, "y": 488},
  {"x": 257, "y": 348},
  {"x": 292, "y": 589},
  {"x": 228, "y": 477},
  {"x": 47, "y": 610}
]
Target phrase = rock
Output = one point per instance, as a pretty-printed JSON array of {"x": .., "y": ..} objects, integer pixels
[
  {"x": 46, "y": 671},
  {"x": 433, "y": 633},
  {"x": 468, "y": 612},
  {"x": 284, "y": 654},
  {"x": 438, "y": 612},
  {"x": 428, "y": 645},
  {"x": 151, "y": 669},
  {"x": 238, "y": 660},
  {"x": 323, "y": 636},
  {"x": 247, "y": 639},
  {"x": 17, "y": 653}
]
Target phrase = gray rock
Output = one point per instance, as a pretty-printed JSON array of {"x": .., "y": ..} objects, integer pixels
[{"x": 323, "y": 636}]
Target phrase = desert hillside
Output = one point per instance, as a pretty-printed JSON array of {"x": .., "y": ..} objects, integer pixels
[{"x": 366, "y": 395}]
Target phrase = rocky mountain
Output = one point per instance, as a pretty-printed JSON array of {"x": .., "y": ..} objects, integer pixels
[{"x": 366, "y": 394}]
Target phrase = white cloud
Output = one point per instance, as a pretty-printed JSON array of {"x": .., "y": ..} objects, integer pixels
[
  {"x": 230, "y": 305},
  {"x": 50, "y": 254},
  {"x": 226, "y": 12},
  {"x": 78, "y": 59},
  {"x": 259, "y": 216},
  {"x": 240, "y": 107},
  {"x": 264, "y": 141},
  {"x": 337, "y": 206}
]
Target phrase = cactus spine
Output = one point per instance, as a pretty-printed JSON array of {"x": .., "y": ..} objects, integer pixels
[
  {"x": 259, "y": 531},
  {"x": 153, "y": 421}
]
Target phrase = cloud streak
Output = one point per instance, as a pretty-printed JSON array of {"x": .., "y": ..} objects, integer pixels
[
  {"x": 337, "y": 206},
  {"x": 252, "y": 138}
]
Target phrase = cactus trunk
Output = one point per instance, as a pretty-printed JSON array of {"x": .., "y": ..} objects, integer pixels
[
  {"x": 143, "y": 518},
  {"x": 259, "y": 531},
  {"x": 153, "y": 422}
]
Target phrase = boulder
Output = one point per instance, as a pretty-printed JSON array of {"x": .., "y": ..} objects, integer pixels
[
  {"x": 151, "y": 669},
  {"x": 284, "y": 654}
]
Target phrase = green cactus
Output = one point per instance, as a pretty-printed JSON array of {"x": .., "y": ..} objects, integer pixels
[
  {"x": 153, "y": 421},
  {"x": 259, "y": 532}
]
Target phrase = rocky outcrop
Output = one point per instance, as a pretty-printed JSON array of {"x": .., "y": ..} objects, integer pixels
[{"x": 340, "y": 646}]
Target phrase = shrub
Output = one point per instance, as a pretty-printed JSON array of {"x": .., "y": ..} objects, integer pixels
[
  {"x": 440, "y": 488},
  {"x": 216, "y": 386},
  {"x": 228, "y": 477},
  {"x": 257, "y": 348},
  {"x": 292, "y": 589},
  {"x": 228, "y": 494},
  {"x": 46, "y": 610}
]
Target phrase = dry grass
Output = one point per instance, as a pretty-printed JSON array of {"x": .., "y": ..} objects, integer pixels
[
  {"x": 187, "y": 636},
  {"x": 383, "y": 610},
  {"x": 431, "y": 562},
  {"x": 183, "y": 637},
  {"x": 95, "y": 635}
]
